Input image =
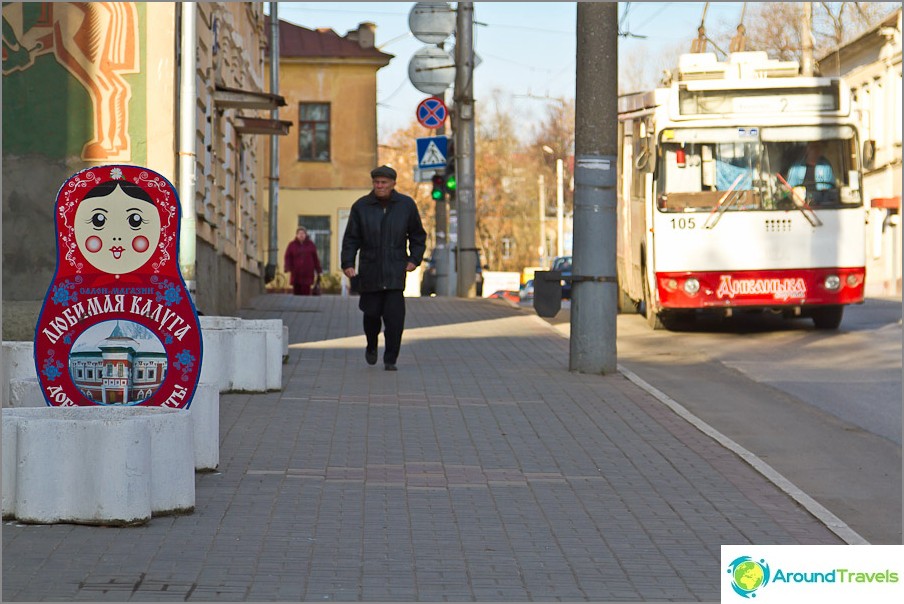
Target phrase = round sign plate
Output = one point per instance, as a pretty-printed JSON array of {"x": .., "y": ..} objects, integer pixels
[
  {"x": 431, "y": 22},
  {"x": 431, "y": 112},
  {"x": 431, "y": 70}
]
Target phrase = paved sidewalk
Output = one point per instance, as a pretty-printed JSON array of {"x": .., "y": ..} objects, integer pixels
[{"x": 481, "y": 470}]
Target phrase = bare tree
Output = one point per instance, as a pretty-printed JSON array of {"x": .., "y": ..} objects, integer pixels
[{"x": 774, "y": 26}]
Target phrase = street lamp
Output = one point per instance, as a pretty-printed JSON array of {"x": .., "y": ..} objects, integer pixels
[{"x": 560, "y": 194}]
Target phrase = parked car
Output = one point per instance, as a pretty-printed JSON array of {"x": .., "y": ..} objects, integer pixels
[
  {"x": 428, "y": 280},
  {"x": 527, "y": 291},
  {"x": 563, "y": 263}
]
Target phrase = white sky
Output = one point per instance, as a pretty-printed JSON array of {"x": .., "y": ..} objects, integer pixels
[{"x": 527, "y": 49}]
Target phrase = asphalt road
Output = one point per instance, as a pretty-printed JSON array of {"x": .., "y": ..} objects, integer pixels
[{"x": 821, "y": 408}]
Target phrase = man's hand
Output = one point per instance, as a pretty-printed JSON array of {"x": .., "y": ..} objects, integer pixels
[
  {"x": 349, "y": 272},
  {"x": 410, "y": 266}
]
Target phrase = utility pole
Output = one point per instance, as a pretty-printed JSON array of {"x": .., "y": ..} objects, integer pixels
[
  {"x": 541, "y": 185},
  {"x": 807, "y": 62},
  {"x": 560, "y": 209},
  {"x": 273, "y": 248},
  {"x": 464, "y": 149},
  {"x": 594, "y": 286}
]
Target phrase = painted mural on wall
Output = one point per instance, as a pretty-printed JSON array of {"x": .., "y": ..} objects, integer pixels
[
  {"x": 97, "y": 43},
  {"x": 118, "y": 326}
]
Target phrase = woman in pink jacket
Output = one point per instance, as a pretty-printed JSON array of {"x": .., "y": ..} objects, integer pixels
[{"x": 302, "y": 262}]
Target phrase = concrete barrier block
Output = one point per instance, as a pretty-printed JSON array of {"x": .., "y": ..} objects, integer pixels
[
  {"x": 8, "y": 469},
  {"x": 172, "y": 445},
  {"x": 97, "y": 465},
  {"x": 272, "y": 330},
  {"x": 18, "y": 363},
  {"x": 285, "y": 344},
  {"x": 25, "y": 393},
  {"x": 83, "y": 471},
  {"x": 217, "y": 364},
  {"x": 249, "y": 359},
  {"x": 205, "y": 410}
]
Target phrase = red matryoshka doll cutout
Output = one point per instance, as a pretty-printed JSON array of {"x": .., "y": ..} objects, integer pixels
[{"x": 118, "y": 326}]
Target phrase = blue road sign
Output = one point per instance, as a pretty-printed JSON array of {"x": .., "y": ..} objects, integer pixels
[{"x": 431, "y": 152}]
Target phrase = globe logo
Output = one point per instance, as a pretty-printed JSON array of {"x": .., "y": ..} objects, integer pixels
[{"x": 748, "y": 575}]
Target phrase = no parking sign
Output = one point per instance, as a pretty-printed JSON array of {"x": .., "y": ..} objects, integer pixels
[{"x": 431, "y": 112}]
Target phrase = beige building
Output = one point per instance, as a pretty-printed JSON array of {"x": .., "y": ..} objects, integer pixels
[
  {"x": 330, "y": 86},
  {"x": 871, "y": 65}
]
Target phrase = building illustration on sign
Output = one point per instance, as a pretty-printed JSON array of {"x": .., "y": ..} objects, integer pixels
[
  {"x": 124, "y": 367},
  {"x": 118, "y": 326}
]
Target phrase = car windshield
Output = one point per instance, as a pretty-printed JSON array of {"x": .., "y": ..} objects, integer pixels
[
  {"x": 562, "y": 263},
  {"x": 699, "y": 171}
]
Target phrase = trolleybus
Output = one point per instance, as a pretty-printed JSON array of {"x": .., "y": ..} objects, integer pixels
[{"x": 739, "y": 189}]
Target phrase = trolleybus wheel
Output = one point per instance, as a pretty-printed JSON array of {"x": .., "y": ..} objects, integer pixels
[
  {"x": 625, "y": 304},
  {"x": 649, "y": 312},
  {"x": 827, "y": 317}
]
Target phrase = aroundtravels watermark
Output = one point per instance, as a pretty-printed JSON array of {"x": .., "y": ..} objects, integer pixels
[{"x": 774, "y": 574}]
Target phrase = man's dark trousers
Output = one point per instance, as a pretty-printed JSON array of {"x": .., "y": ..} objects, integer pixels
[{"x": 381, "y": 308}]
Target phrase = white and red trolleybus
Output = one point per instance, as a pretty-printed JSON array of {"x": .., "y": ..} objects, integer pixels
[{"x": 740, "y": 189}]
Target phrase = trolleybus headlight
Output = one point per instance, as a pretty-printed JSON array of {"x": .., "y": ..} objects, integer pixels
[
  {"x": 670, "y": 284},
  {"x": 832, "y": 283},
  {"x": 852, "y": 280},
  {"x": 691, "y": 286}
]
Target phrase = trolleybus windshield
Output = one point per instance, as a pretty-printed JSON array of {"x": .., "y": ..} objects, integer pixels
[{"x": 702, "y": 170}]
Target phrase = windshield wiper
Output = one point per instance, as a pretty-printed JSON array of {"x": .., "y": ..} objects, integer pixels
[
  {"x": 725, "y": 201},
  {"x": 801, "y": 204}
]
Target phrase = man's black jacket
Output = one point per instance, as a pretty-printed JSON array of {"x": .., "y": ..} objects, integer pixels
[{"x": 387, "y": 240}]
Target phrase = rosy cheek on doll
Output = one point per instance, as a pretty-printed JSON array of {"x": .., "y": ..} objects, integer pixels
[
  {"x": 140, "y": 244},
  {"x": 93, "y": 244}
]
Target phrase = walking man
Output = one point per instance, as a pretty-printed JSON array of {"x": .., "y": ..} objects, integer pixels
[{"x": 385, "y": 227}]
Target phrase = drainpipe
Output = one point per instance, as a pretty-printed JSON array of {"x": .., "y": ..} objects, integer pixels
[
  {"x": 187, "y": 141},
  {"x": 270, "y": 271}
]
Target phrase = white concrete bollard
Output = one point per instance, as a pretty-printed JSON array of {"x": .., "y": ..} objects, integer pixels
[
  {"x": 205, "y": 411},
  {"x": 25, "y": 393},
  {"x": 172, "y": 480},
  {"x": 83, "y": 471},
  {"x": 205, "y": 417},
  {"x": 285, "y": 344},
  {"x": 249, "y": 358},
  {"x": 243, "y": 355},
  {"x": 18, "y": 363},
  {"x": 217, "y": 364},
  {"x": 270, "y": 353},
  {"x": 97, "y": 465}
]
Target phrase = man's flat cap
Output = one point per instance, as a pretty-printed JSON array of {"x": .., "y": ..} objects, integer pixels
[{"x": 383, "y": 171}]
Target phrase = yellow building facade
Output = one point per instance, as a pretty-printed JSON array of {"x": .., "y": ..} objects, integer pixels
[{"x": 330, "y": 86}]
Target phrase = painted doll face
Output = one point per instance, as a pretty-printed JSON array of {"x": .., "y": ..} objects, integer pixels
[{"x": 117, "y": 233}]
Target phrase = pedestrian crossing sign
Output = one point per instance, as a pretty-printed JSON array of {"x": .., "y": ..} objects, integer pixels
[{"x": 431, "y": 152}]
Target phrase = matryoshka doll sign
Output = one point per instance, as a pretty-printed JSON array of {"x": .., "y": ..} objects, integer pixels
[{"x": 118, "y": 326}]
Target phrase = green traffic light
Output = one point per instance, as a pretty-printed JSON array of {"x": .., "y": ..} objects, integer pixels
[
  {"x": 437, "y": 194},
  {"x": 450, "y": 182}
]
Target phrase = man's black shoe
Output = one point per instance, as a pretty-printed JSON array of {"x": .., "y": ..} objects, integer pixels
[
  {"x": 370, "y": 356},
  {"x": 389, "y": 367}
]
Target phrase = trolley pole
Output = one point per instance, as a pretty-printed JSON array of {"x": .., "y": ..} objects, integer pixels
[
  {"x": 464, "y": 149},
  {"x": 594, "y": 286}
]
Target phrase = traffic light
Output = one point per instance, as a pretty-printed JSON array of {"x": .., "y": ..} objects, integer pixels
[
  {"x": 449, "y": 181},
  {"x": 439, "y": 187}
]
